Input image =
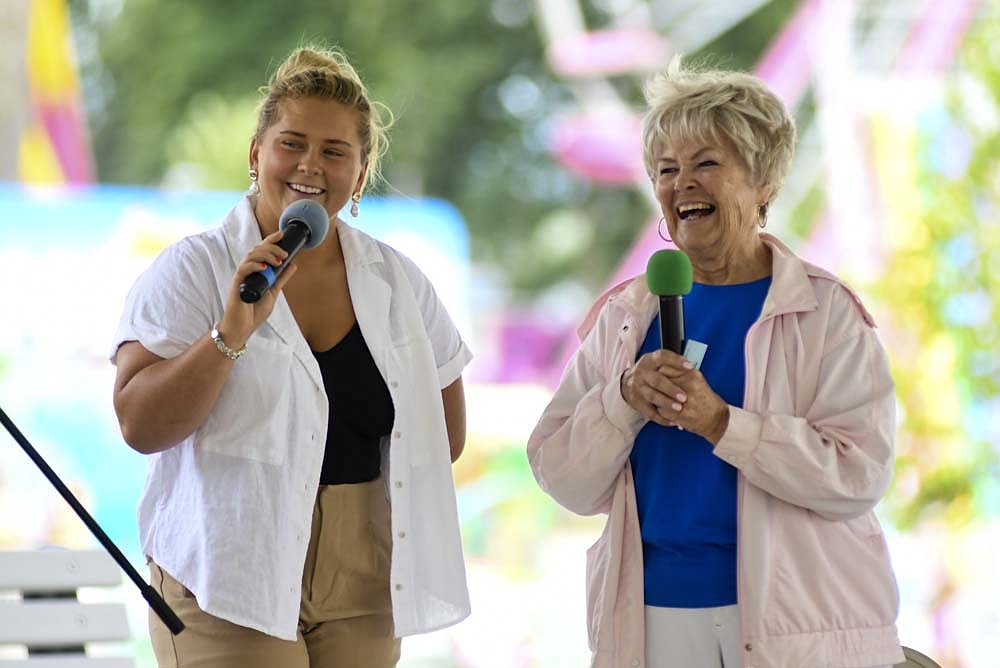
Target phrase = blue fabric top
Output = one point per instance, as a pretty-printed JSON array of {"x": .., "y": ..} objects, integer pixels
[{"x": 686, "y": 495}]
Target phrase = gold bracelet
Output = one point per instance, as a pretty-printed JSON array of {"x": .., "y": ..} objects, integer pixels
[{"x": 223, "y": 348}]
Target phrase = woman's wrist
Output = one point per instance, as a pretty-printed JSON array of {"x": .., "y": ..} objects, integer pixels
[
  {"x": 721, "y": 424},
  {"x": 622, "y": 384},
  {"x": 230, "y": 335}
]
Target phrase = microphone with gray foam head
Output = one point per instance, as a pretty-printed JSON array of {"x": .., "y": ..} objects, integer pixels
[
  {"x": 305, "y": 224},
  {"x": 668, "y": 275}
]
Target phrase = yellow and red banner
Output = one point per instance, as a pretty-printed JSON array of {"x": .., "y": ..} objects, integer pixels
[{"x": 55, "y": 147}]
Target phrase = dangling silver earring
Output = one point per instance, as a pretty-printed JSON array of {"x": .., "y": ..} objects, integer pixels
[
  {"x": 254, "y": 188},
  {"x": 659, "y": 230},
  {"x": 355, "y": 198},
  {"x": 762, "y": 215}
]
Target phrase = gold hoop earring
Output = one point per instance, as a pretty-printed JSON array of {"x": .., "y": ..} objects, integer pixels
[
  {"x": 355, "y": 198},
  {"x": 659, "y": 230}
]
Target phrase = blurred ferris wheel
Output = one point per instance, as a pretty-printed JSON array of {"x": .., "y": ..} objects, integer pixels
[{"x": 841, "y": 67}]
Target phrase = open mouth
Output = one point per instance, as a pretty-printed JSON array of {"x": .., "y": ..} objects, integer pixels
[
  {"x": 694, "y": 211},
  {"x": 304, "y": 189}
]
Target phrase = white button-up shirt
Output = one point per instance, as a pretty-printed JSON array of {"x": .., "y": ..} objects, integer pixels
[{"x": 228, "y": 511}]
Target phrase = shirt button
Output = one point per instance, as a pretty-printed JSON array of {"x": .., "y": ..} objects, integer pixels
[
  {"x": 402, "y": 534},
  {"x": 396, "y": 434},
  {"x": 399, "y": 587},
  {"x": 399, "y": 483},
  {"x": 635, "y": 663},
  {"x": 394, "y": 384},
  {"x": 748, "y": 647}
]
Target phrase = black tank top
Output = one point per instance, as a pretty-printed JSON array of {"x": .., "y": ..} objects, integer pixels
[{"x": 361, "y": 411}]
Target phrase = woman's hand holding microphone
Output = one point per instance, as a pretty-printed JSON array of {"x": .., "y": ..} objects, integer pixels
[{"x": 666, "y": 389}]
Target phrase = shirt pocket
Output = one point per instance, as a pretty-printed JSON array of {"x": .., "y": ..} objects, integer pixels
[
  {"x": 251, "y": 417},
  {"x": 420, "y": 428}
]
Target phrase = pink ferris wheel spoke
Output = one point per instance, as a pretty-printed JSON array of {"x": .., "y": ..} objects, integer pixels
[
  {"x": 602, "y": 147},
  {"x": 608, "y": 52}
]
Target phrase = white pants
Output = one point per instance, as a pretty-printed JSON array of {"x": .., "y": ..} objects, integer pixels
[{"x": 693, "y": 637}]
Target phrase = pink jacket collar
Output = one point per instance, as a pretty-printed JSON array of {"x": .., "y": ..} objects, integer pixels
[{"x": 791, "y": 292}]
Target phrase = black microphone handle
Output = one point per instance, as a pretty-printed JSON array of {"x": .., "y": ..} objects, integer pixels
[
  {"x": 672, "y": 323},
  {"x": 255, "y": 285},
  {"x": 159, "y": 606}
]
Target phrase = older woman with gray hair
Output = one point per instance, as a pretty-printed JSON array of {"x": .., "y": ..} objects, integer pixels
[{"x": 739, "y": 488}]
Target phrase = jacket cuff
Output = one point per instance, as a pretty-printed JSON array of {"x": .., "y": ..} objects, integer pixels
[
  {"x": 625, "y": 418},
  {"x": 741, "y": 438}
]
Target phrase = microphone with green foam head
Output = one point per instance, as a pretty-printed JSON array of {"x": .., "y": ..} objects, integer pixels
[{"x": 668, "y": 275}]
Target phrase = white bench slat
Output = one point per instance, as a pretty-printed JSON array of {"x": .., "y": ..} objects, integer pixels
[
  {"x": 61, "y": 623},
  {"x": 58, "y": 661},
  {"x": 57, "y": 570}
]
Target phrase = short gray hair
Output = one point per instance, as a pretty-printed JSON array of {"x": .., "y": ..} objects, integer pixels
[{"x": 716, "y": 105}]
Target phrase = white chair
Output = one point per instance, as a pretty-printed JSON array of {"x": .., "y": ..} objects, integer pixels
[
  {"x": 39, "y": 610},
  {"x": 915, "y": 659}
]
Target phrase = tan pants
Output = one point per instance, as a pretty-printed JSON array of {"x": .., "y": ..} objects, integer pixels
[{"x": 345, "y": 620}]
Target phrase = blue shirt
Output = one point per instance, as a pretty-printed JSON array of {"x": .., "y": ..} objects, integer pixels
[{"x": 686, "y": 495}]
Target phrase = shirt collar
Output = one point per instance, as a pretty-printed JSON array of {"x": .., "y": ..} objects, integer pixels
[
  {"x": 358, "y": 247},
  {"x": 241, "y": 230},
  {"x": 793, "y": 275}
]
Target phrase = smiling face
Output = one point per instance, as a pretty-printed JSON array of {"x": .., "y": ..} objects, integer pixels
[
  {"x": 312, "y": 151},
  {"x": 707, "y": 197}
]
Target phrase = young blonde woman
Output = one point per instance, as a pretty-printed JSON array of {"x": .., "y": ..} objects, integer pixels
[{"x": 299, "y": 508}]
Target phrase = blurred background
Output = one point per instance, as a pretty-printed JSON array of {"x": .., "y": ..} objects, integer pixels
[{"x": 514, "y": 179}]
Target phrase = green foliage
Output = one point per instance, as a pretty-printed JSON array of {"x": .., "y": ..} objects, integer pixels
[
  {"x": 169, "y": 86},
  {"x": 806, "y": 212},
  {"x": 209, "y": 145},
  {"x": 741, "y": 46},
  {"x": 944, "y": 291},
  {"x": 504, "y": 512}
]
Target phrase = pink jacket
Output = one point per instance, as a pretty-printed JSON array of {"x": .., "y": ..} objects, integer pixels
[{"x": 813, "y": 444}]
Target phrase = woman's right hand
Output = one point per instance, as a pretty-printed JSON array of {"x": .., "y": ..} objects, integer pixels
[
  {"x": 159, "y": 401},
  {"x": 648, "y": 390},
  {"x": 240, "y": 319}
]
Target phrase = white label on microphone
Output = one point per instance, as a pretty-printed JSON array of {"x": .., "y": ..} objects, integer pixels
[{"x": 694, "y": 351}]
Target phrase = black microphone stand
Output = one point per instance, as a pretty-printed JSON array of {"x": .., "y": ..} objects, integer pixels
[{"x": 159, "y": 606}]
